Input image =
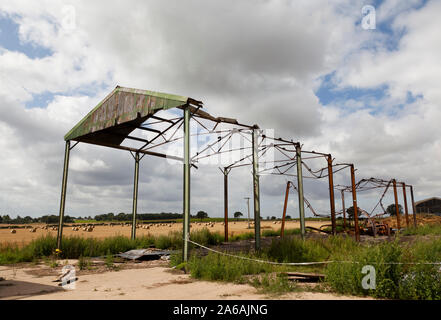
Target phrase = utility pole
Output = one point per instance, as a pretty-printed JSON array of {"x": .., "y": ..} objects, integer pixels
[{"x": 248, "y": 204}]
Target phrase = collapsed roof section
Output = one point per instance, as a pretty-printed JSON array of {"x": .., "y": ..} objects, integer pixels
[{"x": 121, "y": 112}]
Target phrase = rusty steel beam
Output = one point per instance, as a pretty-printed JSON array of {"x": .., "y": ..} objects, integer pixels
[
  {"x": 413, "y": 207},
  {"x": 397, "y": 211},
  {"x": 331, "y": 194},
  {"x": 343, "y": 208},
  {"x": 354, "y": 204},
  {"x": 151, "y": 153},
  {"x": 406, "y": 212},
  {"x": 285, "y": 205}
]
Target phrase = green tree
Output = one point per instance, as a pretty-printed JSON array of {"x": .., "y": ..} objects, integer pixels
[
  {"x": 392, "y": 211},
  {"x": 201, "y": 215},
  {"x": 238, "y": 214},
  {"x": 350, "y": 212},
  {"x": 288, "y": 218}
]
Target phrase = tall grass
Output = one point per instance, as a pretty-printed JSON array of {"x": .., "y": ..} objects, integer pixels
[
  {"x": 427, "y": 229},
  {"x": 398, "y": 272}
]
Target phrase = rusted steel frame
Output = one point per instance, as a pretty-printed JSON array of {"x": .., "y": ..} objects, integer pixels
[
  {"x": 343, "y": 208},
  {"x": 217, "y": 153},
  {"x": 160, "y": 135},
  {"x": 200, "y": 123},
  {"x": 163, "y": 119},
  {"x": 315, "y": 152},
  {"x": 354, "y": 204},
  {"x": 413, "y": 207},
  {"x": 149, "y": 129},
  {"x": 331, "y": 194},
  {"x": 135, "y": 196},
  {"x": 285, "y": 205},
  {"x": 397, "y": 211},
  {"x": 225, "y": 142},
  {"x": 130, "y": 137},
  {"x": 221, "y": 121},
  {"x": 256, "y": 189},
  {"x": 152, "y": 153},
  {"x": 233, "y": 165},
  {"x": 282, "y": 152},
  {"x": 406, "y": 212},
  {"x": 210, "y": 146},
  {"x": 170, "y": 140},
  {"x": 63, "y": 194}
]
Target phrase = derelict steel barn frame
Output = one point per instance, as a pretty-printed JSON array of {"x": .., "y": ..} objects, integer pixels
[{"x": 125, "y": 110}]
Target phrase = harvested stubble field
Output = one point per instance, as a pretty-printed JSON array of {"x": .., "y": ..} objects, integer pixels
[
  {"x": 421, "y": 218},
  {"x": 23, "y": 236}
]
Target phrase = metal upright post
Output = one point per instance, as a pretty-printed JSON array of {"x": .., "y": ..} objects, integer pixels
[
  {"x": 135, "y": 196},
  {"x": 397, "y": 211},
  {"x": 226, "y": 203},
  {"x": 300, "y": 190},
  {"x": 344, "y": 208},
  {"x": 63, "y": 193},
  {"x": 413, "y": 207},
  {"x": 248, "y": 205},
  {"x": 186, "y": 193},
  {"x": 354, "y": 204},
  {"x": 282, "y": 229},
  {"x": 331, "y": 194},
  {"x": 406, "y": 212},
  {"x": 256, "y": 188}
]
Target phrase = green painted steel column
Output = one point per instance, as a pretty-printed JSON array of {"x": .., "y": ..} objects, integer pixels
[
  {"x": 186, "y": 220},
  {"x": 135, "y": 196},
  {"x": 300, "y": 190},
  {"x": 226, "y": 204},
  {"x": 256, "y": 189},
  {"x": 63, "y": 193}
]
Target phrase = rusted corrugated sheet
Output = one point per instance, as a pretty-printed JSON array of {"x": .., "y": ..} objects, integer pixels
[{"x": 121, "y": 106}]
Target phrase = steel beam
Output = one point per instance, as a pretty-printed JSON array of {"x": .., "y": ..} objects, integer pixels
[
  {"x": 135, "y": 196},
  {"x": 63, "y": 194},
  {"x": 354, "y": 204},
  {"x": 256, "y": 189},
  {"x": 344, "y": 208},
  {"x": 226, "y": 204},
  {"x": 285, "y": 205},
  {"x": 331, "y": 194},
  {"x": 397, "y": 211},
  {"x": 406, "y": 212},
  {"x": 413, "y": 207},
  {"x": 300, "y": 190},
  {"x": 186, "y": 180}
]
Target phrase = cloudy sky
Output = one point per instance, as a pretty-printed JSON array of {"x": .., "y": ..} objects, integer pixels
[{"x": 310, "y": 70}]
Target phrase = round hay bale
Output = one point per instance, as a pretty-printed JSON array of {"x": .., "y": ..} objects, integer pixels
[{"x": 13, "y": 231}]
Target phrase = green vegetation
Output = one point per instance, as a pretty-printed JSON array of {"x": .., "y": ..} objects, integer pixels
[{"x": 428, "y": 229}]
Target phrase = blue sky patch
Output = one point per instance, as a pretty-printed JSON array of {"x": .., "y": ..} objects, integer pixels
[{"x": 10, "y": 40}]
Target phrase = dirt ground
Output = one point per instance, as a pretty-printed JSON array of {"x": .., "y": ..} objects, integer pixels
[
  {"x": 147, "y": 280},
  {"x": 23, "y": 236}
]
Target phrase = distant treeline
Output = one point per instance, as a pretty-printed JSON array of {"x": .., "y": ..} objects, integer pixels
[
  {"x": 140, "y": 216},
  {"x": 44, "y": 219},
  {"x": 51, "y": 219}
]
